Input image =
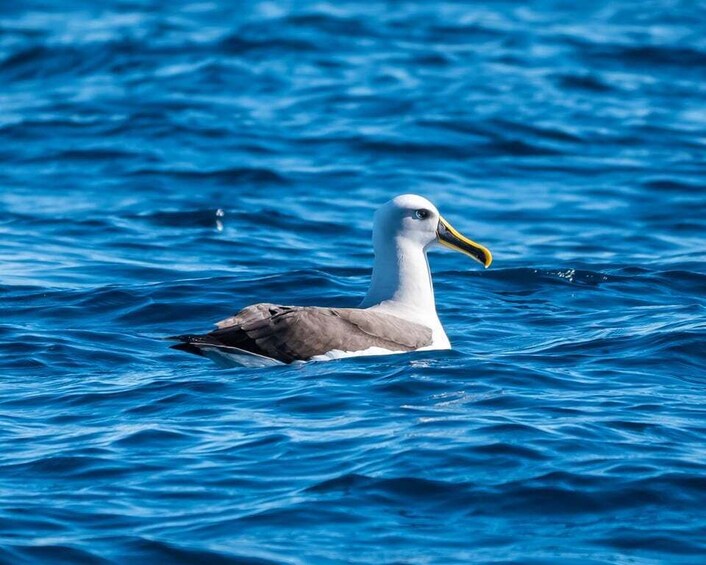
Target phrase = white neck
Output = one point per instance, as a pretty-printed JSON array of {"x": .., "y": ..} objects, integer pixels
[
  {"x": 401, "y": 285},
  {"x": 401, "y": 278}
]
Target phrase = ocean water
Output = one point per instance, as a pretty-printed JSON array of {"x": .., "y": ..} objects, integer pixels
[{"x": 163, "y": 164}]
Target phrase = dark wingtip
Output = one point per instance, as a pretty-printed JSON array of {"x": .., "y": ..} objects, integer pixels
[
  {"x": 189, "y": 348},
  {"x": 189, "y": 343}
]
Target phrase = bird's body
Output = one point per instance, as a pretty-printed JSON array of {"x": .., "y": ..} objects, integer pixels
[
  {"x": 397, "y": 315},
  {"x": 295, "y": 333}
]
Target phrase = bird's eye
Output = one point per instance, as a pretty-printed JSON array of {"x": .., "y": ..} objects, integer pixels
[{"x": 421, "y": 214}]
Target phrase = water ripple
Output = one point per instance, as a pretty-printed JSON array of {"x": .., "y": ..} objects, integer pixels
[{"x": 163, "y": 165}]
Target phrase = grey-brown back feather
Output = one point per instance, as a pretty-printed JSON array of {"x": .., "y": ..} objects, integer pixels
[{"x": 290, "y": 333}]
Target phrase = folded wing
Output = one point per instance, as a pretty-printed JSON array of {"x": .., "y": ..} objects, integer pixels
[{"x": 292, "y": 333}]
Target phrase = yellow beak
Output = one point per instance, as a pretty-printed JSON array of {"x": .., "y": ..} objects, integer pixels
[{"x": 449, "y": 237}]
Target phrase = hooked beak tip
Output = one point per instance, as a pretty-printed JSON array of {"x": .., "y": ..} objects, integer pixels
[{"x": 448, "y": 236}]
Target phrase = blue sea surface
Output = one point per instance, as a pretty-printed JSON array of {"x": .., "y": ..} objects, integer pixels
[{"x": 163, "y": 164}]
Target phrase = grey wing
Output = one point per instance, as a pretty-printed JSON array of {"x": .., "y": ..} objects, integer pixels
[
  {"x": 403, "y": 334},
  {"x": 252, "y": 314},
  {"x": 290, "y": 333}
]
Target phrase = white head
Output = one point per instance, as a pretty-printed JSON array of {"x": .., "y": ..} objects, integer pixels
[{"x": 410, "y": 219}]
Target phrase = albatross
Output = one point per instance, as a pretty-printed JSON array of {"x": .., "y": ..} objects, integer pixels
[{"x": 397, "y": 315}]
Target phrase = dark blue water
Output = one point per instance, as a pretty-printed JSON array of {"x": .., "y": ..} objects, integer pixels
[{"x": 163, "y": 165}]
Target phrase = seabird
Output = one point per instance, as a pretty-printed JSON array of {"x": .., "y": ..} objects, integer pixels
[{"x": 398, "y": 314}]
